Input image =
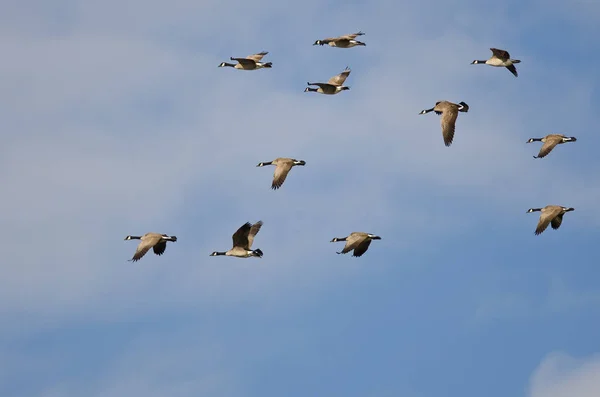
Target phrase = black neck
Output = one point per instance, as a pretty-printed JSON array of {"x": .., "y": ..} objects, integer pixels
[{"x": 219, "y": 253}]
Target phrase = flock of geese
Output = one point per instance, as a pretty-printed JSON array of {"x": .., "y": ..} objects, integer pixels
[{"x": 358, "y": 242}]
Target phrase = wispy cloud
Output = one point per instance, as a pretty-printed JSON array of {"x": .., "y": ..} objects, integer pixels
[{"x": 561, "y": 375}]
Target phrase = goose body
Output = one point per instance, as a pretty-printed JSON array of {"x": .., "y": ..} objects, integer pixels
[
  {"x": 449, "y": 112},
  {"x": 242, "y": 242},
  {"x": 333, "y": 86},
  {"x": 251, "y": 62},
  {"x": 500, "y": 58},
  {"x": 283, "y": 166},
  {"x": 345, "y": 41},
  {"x": 156, "y": 241},
  {"x": 357, "y": 241},
  {"x": 550, "y": 215},
  {"x": 550, "y": 141}
]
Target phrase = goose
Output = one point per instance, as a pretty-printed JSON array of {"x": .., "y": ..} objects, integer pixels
[
  {"x": 449, "y": 112},
  {"x": 156, "y": 241},
  {"x": 550, "y": 141},
  {"x": 550, "y": 215},
  {"x": 345, "y": 41},
  {"x": 500, "y": 58},
  {"x": 333, "y": 86},
  {"x": 242, "y": 242},
  {"x": 251, "y": 62},
  {"x": 357, "y": 241},
  {"x": 283, "y": 165}
]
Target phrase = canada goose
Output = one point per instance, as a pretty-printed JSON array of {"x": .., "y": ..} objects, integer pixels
[
  {"x": 550, "y": 141},
  {"x": 333, "y": 86},
  {"x": 500, "y": 58},
  {"x": 283, "y": 165},
  {"x": 156, "y": 241},
  {"x": 242, "y": 241},
  {"x": 550, "y": 215},
  {"x": 251, "y": 62},
  {"x": 357, "y": 241},
  {"x": 449, "y": 112},
  {"x": 345, "y": 41}
]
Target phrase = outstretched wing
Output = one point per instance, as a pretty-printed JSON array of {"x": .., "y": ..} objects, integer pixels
[
  {"x": 253, "y": 232},
  {"x": 339, "y": 79},
  {"x": 546, "y": 217},
  {"x": 547, "y": 147},
  {"x": 148, "y": 241},
  {"x": 240, "y": 237},
  {"x": 244, "y": 61},
  {"x": 350, "y": 36},
  {"x": 448, "y": 121},
  {"x": 160, "y": 247},
  {"x": 513, "y": 70},
  {"x": 556, "y": 222},
  {"x": 362, "y": 248},
  {"x": 352, "y": 242},
  {"x": 281, "y": 172},
  {"x": 501, "y": 54},
  {"x": 325, "y": 86},
  {"x": 257, "y": 57}
]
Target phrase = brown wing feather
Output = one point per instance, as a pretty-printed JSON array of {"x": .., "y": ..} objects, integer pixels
[
  {"x": 448, "y": 122},
  {"x": 353, "y": 241},
  {"x": 253, "y": 232},
  {"x": 148, "y": 241},
  {"x": 160, "y": 248},
  {"x": 245, "y": 61},
  {"x": 281, "y": 172},
  {"x": 240, "y": 237},
  {"x": 501, "y": 54},
  {"x": 257, "y": 57},
  {"x": 362, "y": 248},
  {"x": 513, "y": 70},
  {"x": 547, "y": 215},
  {"x": 351, "y": 36},
  {"x": 339, "y": 79},
  {"x": 551, "y": 142},
  {"x": 556, "y": 222}
]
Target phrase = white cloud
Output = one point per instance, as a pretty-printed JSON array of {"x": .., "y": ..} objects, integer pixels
[{"x": 561, "y": 375}]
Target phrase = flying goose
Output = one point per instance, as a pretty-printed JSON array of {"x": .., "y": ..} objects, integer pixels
[
  {"x": 333, "y": 86},
  {"x": 550, "y": 215},
  {"x": 242, "y": 242},
  {"x": 357, "y": 241},
  {"x": 500, "y": 58},
  {"x": 550, "y": 141},
  {"x": 156, "y": 241},
  {"x": 449, "y": 112},
  {"x": 283, "y": 165},
  {"x": 345, "y": 41},
  {"x": 251, "y": 62}
]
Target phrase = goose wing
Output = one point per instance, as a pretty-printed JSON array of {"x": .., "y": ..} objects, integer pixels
[
  {"x": 281, "y": 171},
  {"x": 339, "y": 79},
  {"x": 362, "y": 247},
  {"x": 240, "y": 237},
  {"x": 147, "y": 241},
  {"x": 448, "y": 122},
  {"x": 253, "y": 232},
  {"x": 551, "y": 142},
  {"x": 257, "y": 57},
  {"x": 500, "y": 54},
  {"x": 547, "y": 215}
]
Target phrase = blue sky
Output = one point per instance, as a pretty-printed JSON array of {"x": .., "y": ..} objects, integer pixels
[{"x": 117, "y": 121}]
